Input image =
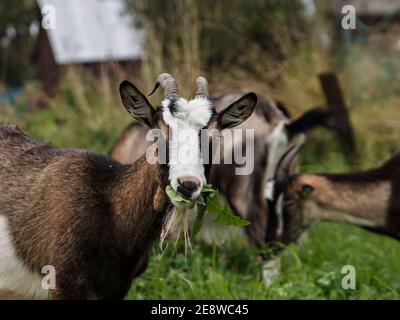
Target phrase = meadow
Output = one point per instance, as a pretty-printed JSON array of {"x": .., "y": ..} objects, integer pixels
[
  {"x": 261, "y": 46},
  {"x": 87, "y": 114}
]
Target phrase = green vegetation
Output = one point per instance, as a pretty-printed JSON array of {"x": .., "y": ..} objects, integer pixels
[
  {"x": 92, "y": 117},
  {"x": 310, "y": 270},
  {"x": 16, "y": 43},
  {"x": 262, "y": 46},
  {"x": 209, "y": 201}
]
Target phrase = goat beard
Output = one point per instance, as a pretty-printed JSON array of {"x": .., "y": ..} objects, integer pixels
[{"x": 177, "y": 223}]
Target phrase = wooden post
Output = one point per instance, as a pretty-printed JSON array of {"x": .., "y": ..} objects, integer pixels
[{"x": 338, "y": 112}]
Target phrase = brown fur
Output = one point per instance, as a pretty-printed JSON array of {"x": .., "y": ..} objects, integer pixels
[
  {"x": 370, "y": 204},
  {"x": 90, "y": 217},
  {"x": 244, "y": 193},
  {"x": 369, "y": 199},
  {"x": 76, "y": 210}
]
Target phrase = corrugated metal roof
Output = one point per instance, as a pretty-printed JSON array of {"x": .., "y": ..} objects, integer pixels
[{"x": 93, "y": 31}]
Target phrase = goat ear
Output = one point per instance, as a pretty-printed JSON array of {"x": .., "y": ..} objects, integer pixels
[
  {"x": 136, "y": 103},
  {"x": 237, "y": 112}
]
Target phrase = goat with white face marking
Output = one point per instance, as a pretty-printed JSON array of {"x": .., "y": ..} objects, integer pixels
[
  {"x": 245, "y": 193},
  {"x": 369, "y": 199},
  {"x": 91, "y": 218}
]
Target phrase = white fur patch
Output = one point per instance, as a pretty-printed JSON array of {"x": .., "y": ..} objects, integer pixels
[
  {"x": 277, "y": 142},
  {"x": 15, "y": 277},
  {"x": 269, "y": 194},
  {"x": 269, "y": 190},
  {"x": 195, "y": 113},
  {"x": 184, "y": 141}
]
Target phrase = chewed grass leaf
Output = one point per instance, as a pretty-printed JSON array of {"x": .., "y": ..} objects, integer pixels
[
  {"x": 213, "y": 204},
  {"x": 227, "y": 217},
  {"x": 175, "y": 196},
  {"x": 208, "y": 189},
  {"x": 208, "y": 201}
]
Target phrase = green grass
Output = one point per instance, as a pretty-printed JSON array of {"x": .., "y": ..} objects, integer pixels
[{"x": 310, "y": 270}]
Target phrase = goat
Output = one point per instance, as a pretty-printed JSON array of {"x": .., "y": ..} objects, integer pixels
[
  {"x": 369, "y": 199},
  {"x": 91, "y": 218},
  {"x": 245, "y": 194}
]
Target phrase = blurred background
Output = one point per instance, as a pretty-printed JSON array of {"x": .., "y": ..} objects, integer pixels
[{"x": 61, "y": 62}]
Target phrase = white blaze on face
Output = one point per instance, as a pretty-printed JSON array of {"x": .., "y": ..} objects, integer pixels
[{"x": 185, "y": 120}]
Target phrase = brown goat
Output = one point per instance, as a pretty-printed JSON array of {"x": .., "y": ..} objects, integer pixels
[
  {"x": 91, "y": 218},
  {"x": 369, "y": 199},
  {"x": 245, "y": 193}
]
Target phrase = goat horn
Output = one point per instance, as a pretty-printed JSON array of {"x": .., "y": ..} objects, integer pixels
[
  {"x": 201, "y": 88},
  {"x": 285, "y": 164},
  {"x": 169, "y": 85}
]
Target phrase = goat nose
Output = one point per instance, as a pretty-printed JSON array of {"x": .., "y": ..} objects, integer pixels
[{"x": 188, "y": 185}]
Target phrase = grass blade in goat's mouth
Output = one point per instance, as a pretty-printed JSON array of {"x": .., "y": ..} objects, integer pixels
[{"x": 208, "y": 201}]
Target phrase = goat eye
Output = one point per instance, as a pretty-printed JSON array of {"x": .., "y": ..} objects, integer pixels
[{"x": 306, "y": 191}]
